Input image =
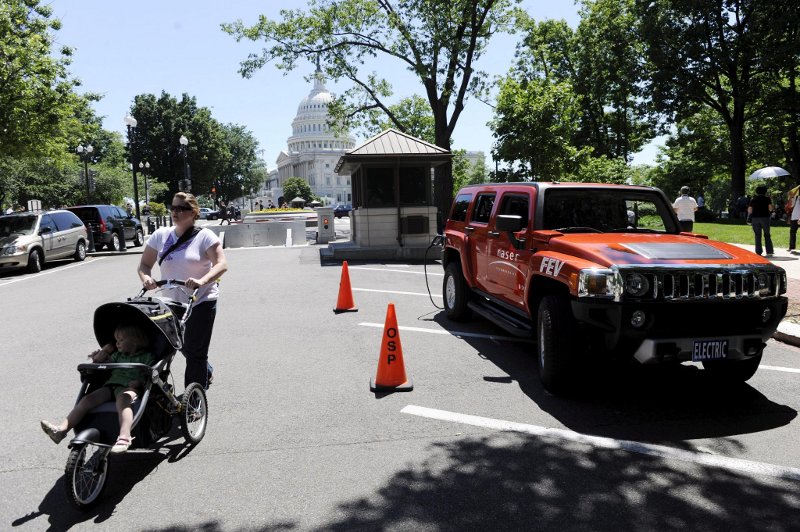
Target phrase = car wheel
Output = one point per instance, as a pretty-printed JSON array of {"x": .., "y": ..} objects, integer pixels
[
  {"x": 35, "y": 261},
  {"x": 455, "y": 289},
  {"x": 80, "y": 251},
  {"x": 138, "y": 238},
  {"x": 557, "y": 330},
  {"x": 114, "y": 244},
  {"x": 732, "y": 371}
]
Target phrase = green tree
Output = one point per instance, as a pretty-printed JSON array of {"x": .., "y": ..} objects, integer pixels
[
  {"x": 714, "y": 54},
  {"x": 36, "y": 92},
  {"x": 297, "y": 187},
  {"x": 161, "y": 122},
  {"x": 535, "y": 122},
  {"x": 238, "y": 171},
  {"x": 437, "y": 42},
  {"x": 413, "y": 112}
]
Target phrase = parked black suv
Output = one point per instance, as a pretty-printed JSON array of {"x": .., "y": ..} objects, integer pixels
[{"x": 108, "y": 224}]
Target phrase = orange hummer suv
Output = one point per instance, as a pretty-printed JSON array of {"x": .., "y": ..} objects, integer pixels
[{"x": 604, "y": 269}]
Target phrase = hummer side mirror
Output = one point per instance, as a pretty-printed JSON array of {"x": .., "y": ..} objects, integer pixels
[{"x": 510, "y": 223}]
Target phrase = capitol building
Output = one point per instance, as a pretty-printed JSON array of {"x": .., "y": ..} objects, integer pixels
[{"x": 313, "y": 151}]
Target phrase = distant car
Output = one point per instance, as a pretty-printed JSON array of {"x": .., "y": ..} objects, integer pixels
[
  {"x": 29, "y": 239},
  {"x": 109, "y": 225},
  {"x": 342, "y": 210},
  {"x": 208, "y": 214}
]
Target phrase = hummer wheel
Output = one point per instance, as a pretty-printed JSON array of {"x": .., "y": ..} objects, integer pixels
[
  {"x": 454, "y": 290},
  {"x": 556, "y": 350}
]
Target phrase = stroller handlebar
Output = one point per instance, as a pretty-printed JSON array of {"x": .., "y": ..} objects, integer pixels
[{"x": 177, "y": 282}]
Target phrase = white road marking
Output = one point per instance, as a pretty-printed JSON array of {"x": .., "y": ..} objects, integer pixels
[
  {"x": 453, "y": 333},
  {"x": 388, "y": 270},
  {"x": 35, "y": 275},
  {"x": 779, "y": 368},
  {"x": 660, "y": 451},
  {"x": 394, "y": 292}
]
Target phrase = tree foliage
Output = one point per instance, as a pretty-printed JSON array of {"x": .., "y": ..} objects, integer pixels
[
  {"x": 160, "y": 123},
  {"x": 720, "y": 55},
  {"x": 37, "y": 100},
  {"x": 297, "y": 187},
  {"x": 437, "y": 42}
]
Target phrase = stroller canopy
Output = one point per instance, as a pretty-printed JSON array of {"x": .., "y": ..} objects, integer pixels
[{"x": 151, "y": 314}]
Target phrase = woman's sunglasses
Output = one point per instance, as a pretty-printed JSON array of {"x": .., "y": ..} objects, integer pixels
[{"x": 183, "y": 208}]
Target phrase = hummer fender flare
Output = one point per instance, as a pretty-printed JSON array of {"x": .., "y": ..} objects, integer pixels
[{"x": 560, "y": 268}]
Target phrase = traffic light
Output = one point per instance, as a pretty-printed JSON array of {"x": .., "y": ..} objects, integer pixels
[{"x": 213, "y": 190}]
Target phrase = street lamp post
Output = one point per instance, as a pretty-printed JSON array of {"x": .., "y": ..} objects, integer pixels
[
  {"x": 85, "y": 154},
  {"x": 144, "y": 168},
  {"x": 130, "y": 123},
  {"x": 187, "y": 174}
]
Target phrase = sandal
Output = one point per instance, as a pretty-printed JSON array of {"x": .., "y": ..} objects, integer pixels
[
  {"x": 51, "y": 430},
  {"x": 122, "y": 445}
]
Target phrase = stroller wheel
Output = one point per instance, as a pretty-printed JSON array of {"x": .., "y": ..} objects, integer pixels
[
  {"x": 86, "y": 474},
  {"x": 194, "y": 413}
]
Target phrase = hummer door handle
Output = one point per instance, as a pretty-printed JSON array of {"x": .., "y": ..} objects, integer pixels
[
  {"x": 469, "y": 229},
  {"x": 493, "y": 234}
]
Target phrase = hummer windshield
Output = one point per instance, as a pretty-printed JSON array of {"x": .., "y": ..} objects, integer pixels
[{"x": 575, "y": 210}]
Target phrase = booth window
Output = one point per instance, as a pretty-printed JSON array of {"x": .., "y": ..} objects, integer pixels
[
  {"x": 413, "y": 184},
  {"x": 379, "y": 186}
]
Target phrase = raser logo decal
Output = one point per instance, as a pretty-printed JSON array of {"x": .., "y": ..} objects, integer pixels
[
  {"x": 551, "y": 266},
  {"x": 508, "y": 255}
]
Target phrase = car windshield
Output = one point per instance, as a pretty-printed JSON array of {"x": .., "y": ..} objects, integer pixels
[
  {"x": 602, "y": 211},
  {"x": 17, "y": 225}
]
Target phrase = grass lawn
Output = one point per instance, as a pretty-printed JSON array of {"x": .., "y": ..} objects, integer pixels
[{"x": 742, "y": 233}]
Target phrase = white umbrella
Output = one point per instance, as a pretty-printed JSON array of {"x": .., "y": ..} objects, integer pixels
[{"x": 767, "y": 172}]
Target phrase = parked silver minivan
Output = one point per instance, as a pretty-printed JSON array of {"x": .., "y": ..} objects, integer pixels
[{"x": 29, "y": 239}]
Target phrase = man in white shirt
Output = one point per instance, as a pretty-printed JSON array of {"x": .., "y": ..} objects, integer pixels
[
  {"x": 794, "y": 218},
  {"x": 685, "y": 206}
]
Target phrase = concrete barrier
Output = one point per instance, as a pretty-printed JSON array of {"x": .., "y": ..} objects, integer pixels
[{"x": 273, "y": 233}]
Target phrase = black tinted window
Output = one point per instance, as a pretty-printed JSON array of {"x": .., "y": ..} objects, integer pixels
[
  {"x": 460, "y": 207},
  {"x": 483, "y": 208},
  {"x": 66, "y": 220},
  {"x": 47, "y": 221},
  {"x": 516, "y": 205},
  {"x": 87, "y": 214}
]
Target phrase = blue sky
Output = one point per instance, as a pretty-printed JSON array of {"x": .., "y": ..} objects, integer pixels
[{"x": 127, "y": 48}]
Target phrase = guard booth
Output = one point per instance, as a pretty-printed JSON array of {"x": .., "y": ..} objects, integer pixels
[{"x": 392, "y": 182}]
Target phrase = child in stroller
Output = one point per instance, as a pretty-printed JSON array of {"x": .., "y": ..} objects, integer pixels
[
  {"x": 151, "y": 402},
  {"x": 124, "y": 385}
]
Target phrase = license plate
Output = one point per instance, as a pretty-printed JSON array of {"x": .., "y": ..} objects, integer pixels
[{"x": 709, "y": 350}]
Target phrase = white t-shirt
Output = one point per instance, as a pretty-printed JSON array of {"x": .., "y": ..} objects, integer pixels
[
  {"x": 187, "y": 260},
  {"x": 685, "y": 206}
]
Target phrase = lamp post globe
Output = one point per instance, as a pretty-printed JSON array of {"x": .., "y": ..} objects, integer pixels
[{"x": 187, "y": 174}]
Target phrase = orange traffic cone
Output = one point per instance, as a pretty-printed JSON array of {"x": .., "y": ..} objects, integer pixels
[
  {"x": 391, "y": 375},
  {"x": 345, "y": 301}
]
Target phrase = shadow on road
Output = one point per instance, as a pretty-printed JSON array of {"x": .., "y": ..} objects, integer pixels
[
  {"x": 517, "y": 482},
  {"x": 647, "y": 404}
]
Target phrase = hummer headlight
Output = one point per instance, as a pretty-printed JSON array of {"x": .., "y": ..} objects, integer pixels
[
  {"x": 598, "y": 283},
  {"x": 636, "y": 284}
]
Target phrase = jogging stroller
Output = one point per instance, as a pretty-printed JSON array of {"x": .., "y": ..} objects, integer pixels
[{"x": 164, "y": 319}]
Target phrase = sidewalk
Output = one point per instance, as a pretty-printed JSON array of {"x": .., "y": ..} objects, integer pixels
[{"x": 789, "y": 329}]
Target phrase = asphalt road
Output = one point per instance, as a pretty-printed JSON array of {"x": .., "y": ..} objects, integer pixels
[{"x": 296, "y": 441}]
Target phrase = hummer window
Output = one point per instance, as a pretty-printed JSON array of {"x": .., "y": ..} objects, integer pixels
[
  {"x": 516, "y": 205},
  {"x": 619, "y": 210},
  {"x": 483, "y": 208},
  {"x": 460, "y": 207}
]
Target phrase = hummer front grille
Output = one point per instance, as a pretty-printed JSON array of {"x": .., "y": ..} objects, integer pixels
[{"x": 687, "y": 284}]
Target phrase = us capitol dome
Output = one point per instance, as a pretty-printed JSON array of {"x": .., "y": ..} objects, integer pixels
[{"x": 314, "y": 149}]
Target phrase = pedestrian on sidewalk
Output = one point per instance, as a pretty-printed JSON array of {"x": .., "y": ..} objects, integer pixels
[
  {"x": 223, "y": 213},
  {"x": 794, "y": 217},
  {"x": 759, "y": 212},
  {"x": 685, "y": 206}
]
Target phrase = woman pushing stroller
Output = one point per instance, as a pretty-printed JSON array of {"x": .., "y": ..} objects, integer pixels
[
  {"x": 194, "y": 254},
  {"x": 123, "y": 384}
]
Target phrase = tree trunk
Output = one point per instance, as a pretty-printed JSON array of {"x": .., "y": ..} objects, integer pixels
[
  {"x": 443, "y": 174},
  {"x": 736, "y": 132}
]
